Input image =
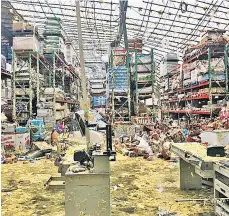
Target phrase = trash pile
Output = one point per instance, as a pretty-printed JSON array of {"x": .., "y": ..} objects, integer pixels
[{"x": 155, "y": 139}]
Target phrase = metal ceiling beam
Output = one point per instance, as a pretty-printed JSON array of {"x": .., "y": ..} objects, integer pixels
[
  {"x": 64, "y": 6},
  {"x": 66, "y": 22},
  {"x": 58, "y": 14},
  {"x": 182, "y": 14},
  {"x": 45, "y": 6}
]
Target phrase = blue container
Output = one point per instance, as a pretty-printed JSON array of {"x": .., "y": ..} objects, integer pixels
[
  {"x": 20, "y": 130},
  {"x": 36, "y": 122},
  {"x": 98, "y": 101},
  {"x": 40, "y": 127}
]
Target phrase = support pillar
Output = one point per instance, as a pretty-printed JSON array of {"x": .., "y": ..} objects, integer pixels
[
  {"x": 38, "y": 80},
  {"x": 30, "y": 87},
  {"x": 54, "y": 85},
  {"x": 14, "y": 85}
]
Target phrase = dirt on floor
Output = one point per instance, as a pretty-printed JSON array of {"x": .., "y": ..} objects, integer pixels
[{"x": 138, "y": 187}]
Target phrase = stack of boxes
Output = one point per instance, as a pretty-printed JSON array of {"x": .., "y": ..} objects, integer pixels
[
  {"x": 69, "y": 54},
  {"x": 197, "y": 71},
  {"x": 120, "y": 79},
  {"x": 46, "y": 109},
  {"x": 53, "y": 36},
  {"x": 144, "y": 73},
  {"x": 169, "y": 73},
  {"x": 26, "y": 37},
  {"x": 135, "y": 44}
]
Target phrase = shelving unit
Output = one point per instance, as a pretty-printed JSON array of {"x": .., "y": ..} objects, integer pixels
[
  {"x": 221, "y": 187},
  {"x": 119, "y": 85},
  {"x": 42, "y": 73},
  {"x": 209, "y": 86},
  {"x": 144, "y": 74}
]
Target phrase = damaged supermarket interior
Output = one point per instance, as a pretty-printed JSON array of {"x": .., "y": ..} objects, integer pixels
[{"x": 114, "y": 107}]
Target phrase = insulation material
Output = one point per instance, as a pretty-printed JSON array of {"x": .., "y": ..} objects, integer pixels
[
  {"x": 53, "y": 26},
  {"x": 25, "y": 43},
  {"x": 53, "y": 36}
]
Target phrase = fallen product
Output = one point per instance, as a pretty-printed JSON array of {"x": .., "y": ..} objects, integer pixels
[{"x": 38, "y": 153}]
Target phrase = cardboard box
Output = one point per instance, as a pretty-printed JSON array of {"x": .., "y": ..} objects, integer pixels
[
  {"x": 16, "y": 141},
  {"x": 25, "y": 43},
  {"x": 31, "y": 27},
  {"x": 8, "y": 139},
  {"x": 22, "y": 141},
  {"x": 17, "y": 26}
]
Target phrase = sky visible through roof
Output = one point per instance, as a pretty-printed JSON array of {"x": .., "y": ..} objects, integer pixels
[{"x": 162, "y": 24}]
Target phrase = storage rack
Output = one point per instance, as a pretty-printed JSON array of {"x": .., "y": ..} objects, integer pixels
[
  {"x": 118, "y": 110},
  {"x": 98, "y": 92},
  {"x": 43, "y": 71},
  {"x": 207, "y": 52},
  {"x": 148, "y": 68},
  {"x": 221, "y": 188}
]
